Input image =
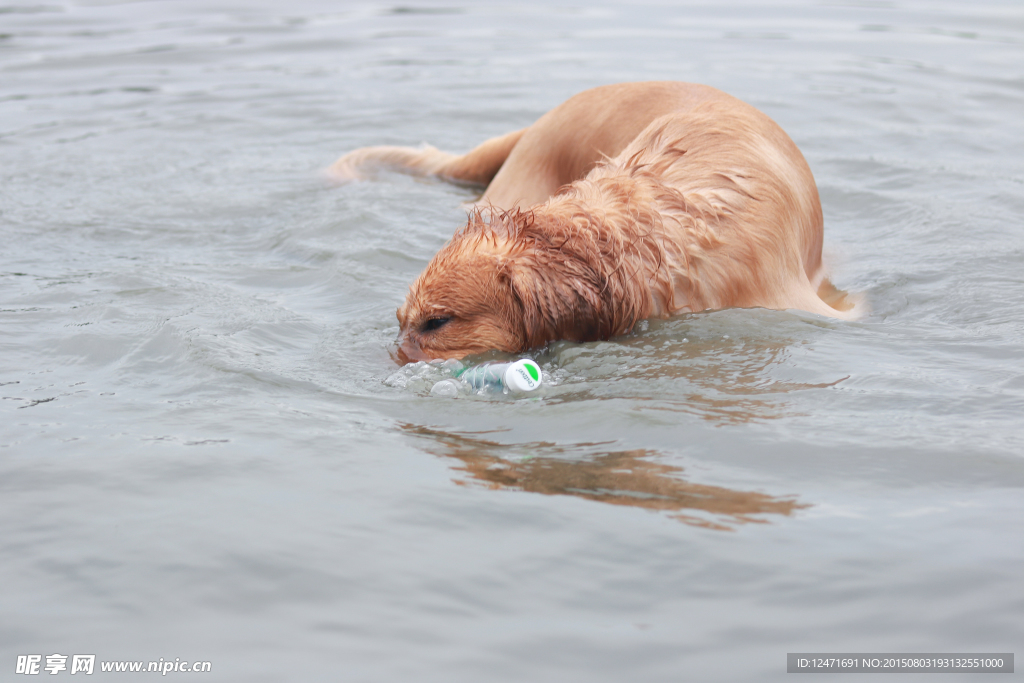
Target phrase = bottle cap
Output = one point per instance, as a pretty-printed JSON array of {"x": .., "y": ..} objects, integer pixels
[{"x": 522, "y": 376}]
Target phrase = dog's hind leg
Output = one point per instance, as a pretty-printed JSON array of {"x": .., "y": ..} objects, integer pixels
[{"x": 476, "y": 167}]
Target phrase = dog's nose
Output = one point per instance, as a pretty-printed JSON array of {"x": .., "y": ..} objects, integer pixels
[{"x": 409, "y": 351}]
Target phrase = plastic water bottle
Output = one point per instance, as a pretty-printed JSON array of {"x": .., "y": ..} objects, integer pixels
[{"x": 518, "y": 378}]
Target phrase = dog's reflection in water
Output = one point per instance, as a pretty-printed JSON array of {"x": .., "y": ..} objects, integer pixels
[{"x": 629, "y": 477}]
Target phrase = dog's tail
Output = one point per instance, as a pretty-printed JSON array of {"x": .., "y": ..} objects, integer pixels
[{"x": 477, "y": 167}]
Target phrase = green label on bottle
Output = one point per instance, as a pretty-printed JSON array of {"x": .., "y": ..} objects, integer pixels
[{"x": 532, "y": 369}]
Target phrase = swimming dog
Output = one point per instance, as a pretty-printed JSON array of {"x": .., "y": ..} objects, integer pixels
[{"x": 626, "y": 202}]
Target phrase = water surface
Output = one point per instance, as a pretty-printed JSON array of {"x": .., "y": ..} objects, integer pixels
[{"x": 208, "y": 453}]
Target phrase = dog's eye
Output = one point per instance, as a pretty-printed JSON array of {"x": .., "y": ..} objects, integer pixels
[{"x": 435, "y": 323}]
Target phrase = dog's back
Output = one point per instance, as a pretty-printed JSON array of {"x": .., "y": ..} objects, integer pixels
[{"x": 597, "y": 124}]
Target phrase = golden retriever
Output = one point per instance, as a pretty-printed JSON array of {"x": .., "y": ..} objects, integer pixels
[{"x": 626, "y": 202}]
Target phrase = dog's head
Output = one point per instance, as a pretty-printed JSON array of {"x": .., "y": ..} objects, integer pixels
[
  {"x": 462, "y": 303},
  {"x": 509, "y": 284}
]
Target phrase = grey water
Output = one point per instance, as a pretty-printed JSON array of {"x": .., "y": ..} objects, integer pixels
[{"x": 208, "y": 453}]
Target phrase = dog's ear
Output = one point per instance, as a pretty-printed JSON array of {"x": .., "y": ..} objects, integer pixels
[
  {"x": 555, "y": 298},
  {"x": 522, "y": 316}
]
